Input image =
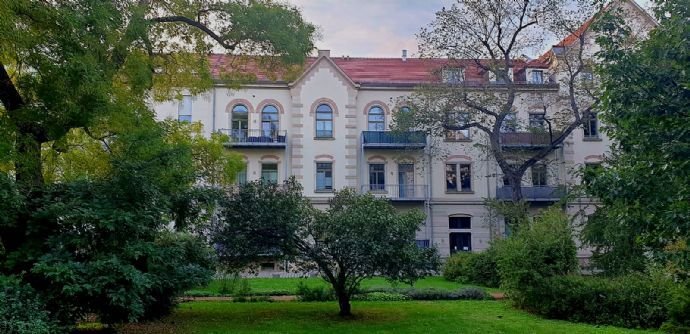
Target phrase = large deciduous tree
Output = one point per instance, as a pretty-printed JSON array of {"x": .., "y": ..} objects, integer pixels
[
  {"x": 645, "y": 187},
  {"x": 487, "y": 39},
  {"x": 357, "y": 237},
  {"x": 65, "y": 63}
]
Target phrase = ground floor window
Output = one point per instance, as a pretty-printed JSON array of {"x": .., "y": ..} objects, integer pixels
[
  {"x": 460, "y": 242},
  {"x": 324, "y": 176},
  {"x": 269, "y": 172}
]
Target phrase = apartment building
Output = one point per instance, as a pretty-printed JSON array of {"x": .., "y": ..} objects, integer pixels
[{"x": 330, "y": 128}]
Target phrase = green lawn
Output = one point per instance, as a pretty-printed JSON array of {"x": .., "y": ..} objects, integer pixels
[
  {"x": 481, "y": 317},
  {"x": 282, "y": 286}
]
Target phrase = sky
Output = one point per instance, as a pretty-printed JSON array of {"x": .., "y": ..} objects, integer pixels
[{"x": 372, "y": 28}]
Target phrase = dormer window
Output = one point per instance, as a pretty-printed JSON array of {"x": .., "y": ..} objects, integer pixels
[
  {"x": 496, "y": 76},
  {"x": 537, "y": 77},
  {"x": 453, "y": 75}
]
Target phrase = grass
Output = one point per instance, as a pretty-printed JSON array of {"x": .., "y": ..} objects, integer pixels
[
  {"x": 288, "y": 286},
  {"x": 480, "y": 317}
]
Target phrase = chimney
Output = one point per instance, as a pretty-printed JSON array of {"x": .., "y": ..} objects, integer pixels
[
  {"x": 404, "y": 55},
  {"x": 325, "y": 53}
]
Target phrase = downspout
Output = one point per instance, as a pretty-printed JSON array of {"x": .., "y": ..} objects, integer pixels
[
  {"x": 430, "y": 193},
  {"x": 213, "y": 110},
  {"x": 492, "y": 228}
]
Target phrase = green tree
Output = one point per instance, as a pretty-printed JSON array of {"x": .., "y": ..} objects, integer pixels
[
  {"x": 64, "y": 64},
  {"x": 645, "y": 187},
  {"x": 484, "y": 39},
  {"x": 357, "y": 237},
  {"x": 360, "y": 236}
]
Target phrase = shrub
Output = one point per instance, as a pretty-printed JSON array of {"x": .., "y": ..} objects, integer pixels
[
  {"x": 542, "y": 249},
  {"x": 632, "y": 301},
  {"x": 315, "y": 294},
  {"x": 473, "y": 268},
  {"x": 22, "y": 311},
  {"x": 382, "y": 297},
  {"x": 437, "y": 294},
  {"x": 678, "y": 311}
]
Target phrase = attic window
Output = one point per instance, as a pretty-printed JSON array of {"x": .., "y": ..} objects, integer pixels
[
  {"x": 453, "y": 75},
  {"x": 536, "y": 77}
]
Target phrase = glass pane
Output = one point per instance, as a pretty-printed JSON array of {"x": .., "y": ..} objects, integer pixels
[
  {"x": 269, "y": 172},
  {"x": 465, "y": 177},
  {"x": 184, "y": 118},
  {"x": 451, "y": 177}
]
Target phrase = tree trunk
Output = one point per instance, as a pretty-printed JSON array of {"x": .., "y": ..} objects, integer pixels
[
  {"x": 28, "y": 163},
  {"x": 516, "y": 187},
  {"x": 344, "y": 303}
]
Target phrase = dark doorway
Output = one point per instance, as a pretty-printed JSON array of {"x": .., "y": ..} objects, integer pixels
[{"x": 460, "y": 242}]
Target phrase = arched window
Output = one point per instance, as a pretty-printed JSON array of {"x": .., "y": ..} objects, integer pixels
[
  {"x": 270, "y": 123},
  {"x": 324, "y": 121},
  {"x": 376, "y": 119},
  {"x": 239, "y": 121}
]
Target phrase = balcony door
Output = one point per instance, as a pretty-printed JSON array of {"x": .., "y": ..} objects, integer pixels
[{"x": 406, "y": 180}]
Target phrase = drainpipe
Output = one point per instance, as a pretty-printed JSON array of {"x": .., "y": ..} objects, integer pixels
[
  {"x": 488, "y": 195},
  {"x": 213, "y": 110},
  {"x": 430, "y": 192}
]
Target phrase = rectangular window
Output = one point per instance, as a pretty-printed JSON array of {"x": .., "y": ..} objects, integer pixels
[
  {"x": 591, "y": 127},
  {"x": 269, "y": 172},
  {"x": 184, "y": 109},
  {"x": 453, "y": 75},
  {"x": 377, "y": 177},
  {"x": 537, "y": 77},
  {"x": 460, "y": 242},
  {"x": 458, "y": 119},
  {"x": 458, "y": 177},
  {"x": 424, "y": 243},
  {"x": 536, "y": 121},
  {"x": 539, "y": 176},
  {"x": 241, "y": 177},
  {"x": 324, "y": 176},
  {"x": 460, "y": 222}
]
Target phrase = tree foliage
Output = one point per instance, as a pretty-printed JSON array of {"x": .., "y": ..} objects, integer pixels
[
  {"x": 357, "y": 237},
  {"x": 645, "y": 189},
  {"x": 487, "y": 39}
]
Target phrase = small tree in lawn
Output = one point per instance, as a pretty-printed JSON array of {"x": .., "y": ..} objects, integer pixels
[{"x": 360, "y": 236}]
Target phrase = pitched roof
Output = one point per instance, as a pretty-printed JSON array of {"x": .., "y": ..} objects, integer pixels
[{"x": 368, "y": 71}]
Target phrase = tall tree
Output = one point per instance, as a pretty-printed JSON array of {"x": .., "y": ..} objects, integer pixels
[
  {"x": 645, "y": 187},
  {"x": 65, "y": 63},
  {"x": 487, "y": 39}
]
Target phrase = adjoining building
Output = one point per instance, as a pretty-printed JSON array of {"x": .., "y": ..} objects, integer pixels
[{"x": 330, "y": 128}]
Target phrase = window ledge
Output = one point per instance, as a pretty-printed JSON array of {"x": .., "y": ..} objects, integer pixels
[
  {"x": 324, "y": 191},
  {"x": 457, "y": 140},
  {"x": 459, "y": 192},
  {"x": 324, "y": 138},
  {"x": 591, "y": 139}
]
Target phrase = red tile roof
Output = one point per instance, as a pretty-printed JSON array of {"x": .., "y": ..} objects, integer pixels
[{"x": 384, "y": 71}]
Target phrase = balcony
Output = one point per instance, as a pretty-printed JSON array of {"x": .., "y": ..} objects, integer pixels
[
  {"x": 256, "y": 138},
  {"x": 397, "y": 192},
  {"x": 532, "y": 193},
  {"x": 526, "y": 140},
  {"x": 394, "y": 139}
]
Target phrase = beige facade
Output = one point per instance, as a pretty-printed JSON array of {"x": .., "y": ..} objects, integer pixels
[{"x": 413, "y": 175}]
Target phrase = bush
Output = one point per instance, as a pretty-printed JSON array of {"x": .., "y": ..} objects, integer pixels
[
  {"x": 315, "y": 294},
  {"x": 381, "y": 297},
  {"x": 632, "y": 301},
  {"x": 678, "y": 311},
  {"x": 473, "y": 268},
  {"x": 540, "y": 250},
  {"x": 22, "y": 311},
  {"x": 436, "y": 294}
]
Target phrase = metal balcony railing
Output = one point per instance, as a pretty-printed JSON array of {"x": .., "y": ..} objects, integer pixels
[
  {"x": 397, "y": 192},
  {"x": 256, "y": 137},
  {"x": 526, "y": 139},
  {"x": 532, "y": 193},
  {"x": 393, "y": 139}
]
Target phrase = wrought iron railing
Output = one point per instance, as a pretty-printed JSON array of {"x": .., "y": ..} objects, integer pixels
[
  {"x": 393, "y": 139},
  {"x": 413, "y": 192},
  {"x": 532, "y": 193},
  {"x": 255, "y": 137}
]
